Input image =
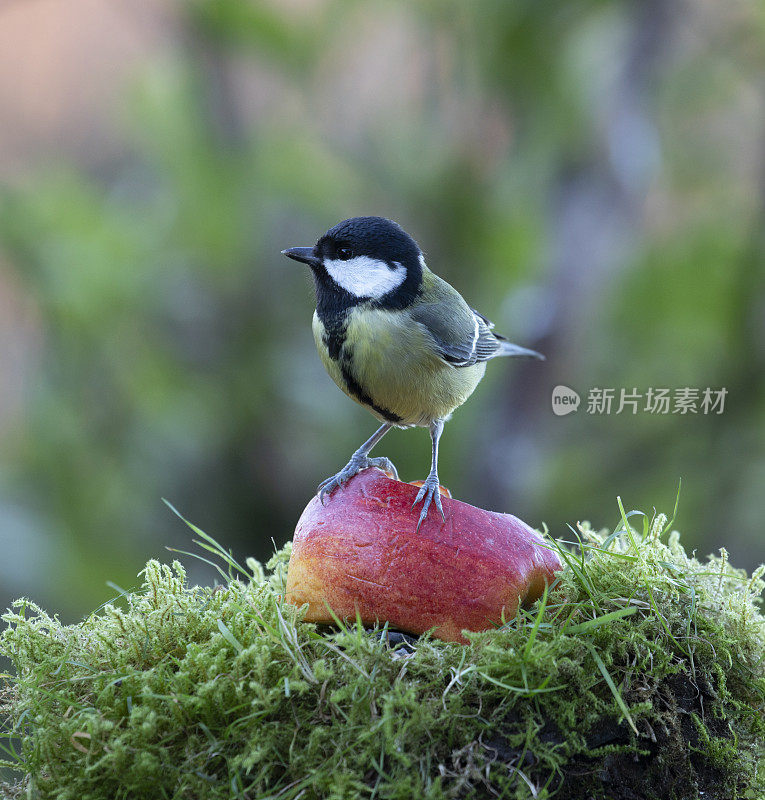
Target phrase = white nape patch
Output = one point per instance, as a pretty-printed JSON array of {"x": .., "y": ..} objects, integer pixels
[
  {"x": 422, "y": 261},
  {"x": 363, "y": 276}
]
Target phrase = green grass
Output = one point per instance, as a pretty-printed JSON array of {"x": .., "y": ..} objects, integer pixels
[{"x": 641, "y": 673}]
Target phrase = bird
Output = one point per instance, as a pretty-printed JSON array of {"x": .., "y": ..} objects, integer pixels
[{"x": 395, "y": 338}]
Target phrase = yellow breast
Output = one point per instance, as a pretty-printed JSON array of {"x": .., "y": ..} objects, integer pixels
[{"x": 388, "y": 364}]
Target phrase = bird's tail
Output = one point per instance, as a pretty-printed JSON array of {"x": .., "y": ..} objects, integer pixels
[{"x": 509, "y": 349}]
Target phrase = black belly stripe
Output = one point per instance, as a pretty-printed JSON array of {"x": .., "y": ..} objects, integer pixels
[
  {"x": 333, "y": 336},
  {"x": 355, "y": 389},
  {"x": 334, "y": 339}
]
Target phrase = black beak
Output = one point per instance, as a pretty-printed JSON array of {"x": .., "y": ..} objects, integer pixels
[{"x": 304, "y": 254}]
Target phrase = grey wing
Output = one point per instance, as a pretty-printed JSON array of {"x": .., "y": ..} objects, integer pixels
[
  {"x": 461, "y": 339},
  {"x": 488, "y": 344},
  {"x": 503, "y": 346},
  {"x": 466, "y": 337}
]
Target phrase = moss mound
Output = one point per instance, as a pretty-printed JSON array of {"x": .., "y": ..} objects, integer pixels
[{"x": 639, "y": 675}]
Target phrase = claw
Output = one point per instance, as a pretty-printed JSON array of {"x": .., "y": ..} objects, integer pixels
[
  {"x": 429, "y": 491},
  {"x": 349, "y": 470},
  {"x": 385, "y": 464},
  {"x": 330, "y": 484}
]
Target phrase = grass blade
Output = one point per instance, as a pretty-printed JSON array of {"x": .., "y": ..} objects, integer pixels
[{"x": 612, "y": 686}]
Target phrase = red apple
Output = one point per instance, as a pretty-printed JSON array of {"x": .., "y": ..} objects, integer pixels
[{"x": 361, "y": 552}]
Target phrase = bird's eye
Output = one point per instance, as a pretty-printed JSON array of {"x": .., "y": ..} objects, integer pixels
[{"x": 344, "y": 253}]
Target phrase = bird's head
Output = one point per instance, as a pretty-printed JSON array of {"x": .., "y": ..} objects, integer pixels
[{"x": 365, "y": 259}]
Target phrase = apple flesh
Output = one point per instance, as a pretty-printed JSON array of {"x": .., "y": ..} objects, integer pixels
[{"x": 360, "y": 553}]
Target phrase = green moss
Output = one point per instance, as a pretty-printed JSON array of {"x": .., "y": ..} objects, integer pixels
[{"x": 640, "y": 674}]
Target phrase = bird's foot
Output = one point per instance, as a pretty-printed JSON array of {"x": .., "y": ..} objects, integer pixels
[
  {"x": 430, "y": 490},
  {"x": 356, "y": 464}
]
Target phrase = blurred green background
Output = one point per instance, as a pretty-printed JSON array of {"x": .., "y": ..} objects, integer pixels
[{"x": 591, "y": 175}]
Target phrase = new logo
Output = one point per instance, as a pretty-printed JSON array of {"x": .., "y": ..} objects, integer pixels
[{"x": 564, "y": 400}]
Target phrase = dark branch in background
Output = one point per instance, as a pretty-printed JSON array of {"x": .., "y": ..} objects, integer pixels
[
  {"x": 595, "y": 214},
  {"x": 743, "y": 374}
]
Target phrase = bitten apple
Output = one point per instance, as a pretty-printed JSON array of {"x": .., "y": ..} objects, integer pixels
[{"x": 361, "y": 553}]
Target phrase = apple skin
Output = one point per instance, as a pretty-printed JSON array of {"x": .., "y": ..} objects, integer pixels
[{"x": 361, "y": 552}]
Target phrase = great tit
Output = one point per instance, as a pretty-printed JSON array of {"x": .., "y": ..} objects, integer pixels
[{"x": 394, "y": 337}]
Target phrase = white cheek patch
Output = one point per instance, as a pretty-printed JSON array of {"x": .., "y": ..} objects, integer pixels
[{"x": 363, "y": 276}]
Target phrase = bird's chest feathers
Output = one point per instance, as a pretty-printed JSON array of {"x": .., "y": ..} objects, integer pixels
[
  {"x": 331, "y": 334},
  {"x": 384, "y": 361},
  {"x": 359, "y": 340},
  {"x": 363, "y": 338},
  {"x": 373, "y": 335}
]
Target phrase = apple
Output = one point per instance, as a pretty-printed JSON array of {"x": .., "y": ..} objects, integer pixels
[{"x": 361, "y": 553}]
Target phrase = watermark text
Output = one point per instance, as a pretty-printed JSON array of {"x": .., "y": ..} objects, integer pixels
[{"x": 602, "y": 401}]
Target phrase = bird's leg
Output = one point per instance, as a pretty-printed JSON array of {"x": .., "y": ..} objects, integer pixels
[
  {"x": 430, "y": 489},
  {"x": 359, "y": 460}
]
